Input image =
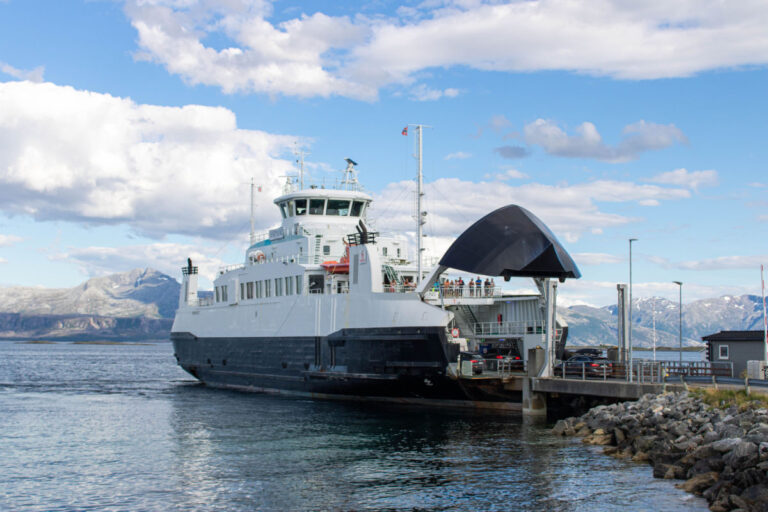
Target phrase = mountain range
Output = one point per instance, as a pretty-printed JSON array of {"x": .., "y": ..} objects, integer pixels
[
  {"x": 134, "y": 305},
  {"x": 594, "y": 326},
  {"x": 140, "y": 304}
]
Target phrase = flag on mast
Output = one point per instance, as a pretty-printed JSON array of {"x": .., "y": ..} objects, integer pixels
[{"x": 405, "y": 131}]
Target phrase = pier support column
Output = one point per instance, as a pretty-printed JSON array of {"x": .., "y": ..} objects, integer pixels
[{"x": 534, "y": 404}]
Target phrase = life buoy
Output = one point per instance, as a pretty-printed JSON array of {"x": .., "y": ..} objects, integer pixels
[
  {"x": 260, "y": 257},
  {"x": 455, "y": 332}
]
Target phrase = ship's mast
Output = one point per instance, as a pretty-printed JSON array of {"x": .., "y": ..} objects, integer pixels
[
  {"x": 253, "y": 232},
  {"x": 420, "y": 194},
  {"x": 420, "y": 215}
]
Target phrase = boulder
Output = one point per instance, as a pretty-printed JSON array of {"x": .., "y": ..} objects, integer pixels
[
  {"x": 641, "y": 456},
  {"x": 699, "y": 483},
  {"x": 726, "y": 445},
  {"x": 560, "y": 427},
  {"x": 743, "y": 456},
  {"x": 762, "y": 450}
]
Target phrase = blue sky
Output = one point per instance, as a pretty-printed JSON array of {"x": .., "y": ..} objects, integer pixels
[{"x": 129, "y": 130}]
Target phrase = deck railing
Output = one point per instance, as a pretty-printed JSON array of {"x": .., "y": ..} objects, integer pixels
[{"x": 642, "y": 371}]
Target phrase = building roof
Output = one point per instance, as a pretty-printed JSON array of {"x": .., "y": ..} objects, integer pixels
[{"x": 735, "y": 336}]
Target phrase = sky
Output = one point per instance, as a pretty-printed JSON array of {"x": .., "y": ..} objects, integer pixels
[{"x": 130, "y": 130}]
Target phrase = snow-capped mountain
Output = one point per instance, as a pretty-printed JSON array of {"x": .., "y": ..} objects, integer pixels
[
  {"x": 133, "y": 305},
  {"x": 137, "y": 293},
  {"x": 593, "y": 326}
]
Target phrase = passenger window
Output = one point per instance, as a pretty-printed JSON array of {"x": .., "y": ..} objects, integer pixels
[
  {"x": 301, "y": 207},
  {"x": 326, "y": 250},
  {"x": 338, "y": 207},
  {"x": 357, "y": 208},
  {"x": 298, "y": 285},
  {"x": 288, "y": 283},
  {"x": 384, "y": 251},
  {"x": 316, "y": 206}
]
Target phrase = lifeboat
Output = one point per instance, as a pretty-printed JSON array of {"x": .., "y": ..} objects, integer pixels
[{"x": 337, "y": 267}]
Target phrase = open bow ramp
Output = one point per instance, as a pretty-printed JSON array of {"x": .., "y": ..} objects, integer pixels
[{"x": 510, "y": 242}]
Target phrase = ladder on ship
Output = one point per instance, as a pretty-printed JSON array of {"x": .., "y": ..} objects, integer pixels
[
  {"x": 318, "y": 242},
  {"x": 465, "y": 320},
  {"x": 392, "y": 274}
]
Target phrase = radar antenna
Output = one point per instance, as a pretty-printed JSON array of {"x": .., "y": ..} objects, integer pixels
[{"x": 349, "y": 181}]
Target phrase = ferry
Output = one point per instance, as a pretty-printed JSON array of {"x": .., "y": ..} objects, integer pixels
[{"x": 323, "y": 306}]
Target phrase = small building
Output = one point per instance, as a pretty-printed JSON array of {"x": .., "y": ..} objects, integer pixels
[{"x": 736, "y": 347}]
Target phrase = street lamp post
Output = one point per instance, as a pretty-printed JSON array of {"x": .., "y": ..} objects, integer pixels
[
  {"x": 680, "y": 284},
  {"x": 631, "y": 358}
]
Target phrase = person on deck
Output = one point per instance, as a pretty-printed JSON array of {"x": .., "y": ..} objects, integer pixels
[{"x": 471, "y": 288}]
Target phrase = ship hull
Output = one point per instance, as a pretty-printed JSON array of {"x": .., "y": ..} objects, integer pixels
[{"x": 400, "y": 365}]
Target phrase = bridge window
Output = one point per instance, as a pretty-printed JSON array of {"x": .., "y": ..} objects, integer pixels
[
  {"x": 283, "y": 209},
  {"x": 288, "y": 283},
  {"x": 326, "y": 250},
  {"x": 301, "y": 207},
  {"x": 249, "y": 290},
  {"x": 316, "y": 283},
  {"x": 316, "y": 206},
  {"x": 267, "y": 288},
  {"x": 338, "y": 207},
  {"x": 357, "y": 208},
  {"x": 298, "y": 285}
]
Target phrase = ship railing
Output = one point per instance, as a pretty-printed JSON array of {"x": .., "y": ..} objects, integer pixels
[
  {"x": 229, "y": 268},
  {"x": 202, "y": 302},
  {"x": 475, "y": 292},
  {"x": 644, "y": 371},
  {"x": 398, "y": 288},
  {"x": 508, "y": 328}
]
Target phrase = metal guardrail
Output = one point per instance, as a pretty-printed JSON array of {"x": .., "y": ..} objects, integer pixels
[{"x": 641, "y": 371}]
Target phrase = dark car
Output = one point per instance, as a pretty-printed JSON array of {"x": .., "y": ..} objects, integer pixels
[
  {"x": 503, "y": 360},
  {"x": 478, "y": 363},
  {"x": 584, "y": 365}
]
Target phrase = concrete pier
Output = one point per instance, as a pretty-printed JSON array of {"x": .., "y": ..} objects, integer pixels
[{"x": 534, "y": 402}]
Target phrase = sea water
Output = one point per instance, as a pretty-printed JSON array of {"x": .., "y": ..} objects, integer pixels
[{"x": 121, "y": 427}]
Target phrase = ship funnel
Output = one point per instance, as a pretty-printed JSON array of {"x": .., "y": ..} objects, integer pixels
[{"x": 188, "y": 294}]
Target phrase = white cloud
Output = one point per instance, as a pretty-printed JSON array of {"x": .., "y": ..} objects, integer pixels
[
  {"x": 165, "y": 257},
  {"x": 595, "y": 258},
  {"x": 3, "y": 260},
  {"x": 509, "y": 174},
  {"x": 720, "y": 263},
  {"x": 35, "y": 75},
  {"x": 9, "y": 240},
  {"x": 321, "y": 55},
  {"x": 423, "y": 93},
  {"x": 587, "y": 142},
  {"x": 458, "y": 155},
  {"x": 94, "y": 158},
  {"x": 569, "y": 210},
  {"x": 684, "y": 178}
]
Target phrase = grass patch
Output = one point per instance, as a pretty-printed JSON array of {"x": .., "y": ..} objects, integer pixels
[{"x": 724, "y": 398}]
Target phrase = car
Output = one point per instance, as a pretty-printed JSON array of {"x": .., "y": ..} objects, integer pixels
[
  {"x": 478, "y": 363},
  {"x": 499, "y": 360},
  {"x": 584, "y": 365}
]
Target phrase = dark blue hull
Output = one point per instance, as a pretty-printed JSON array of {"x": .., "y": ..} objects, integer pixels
[{"x": 405, "y": 365}]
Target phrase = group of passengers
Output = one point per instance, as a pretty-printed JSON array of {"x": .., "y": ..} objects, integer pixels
[{"x": 459, "y": 288}]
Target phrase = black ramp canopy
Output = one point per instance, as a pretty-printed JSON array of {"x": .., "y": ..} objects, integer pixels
[{"x": 510, "y": 242}]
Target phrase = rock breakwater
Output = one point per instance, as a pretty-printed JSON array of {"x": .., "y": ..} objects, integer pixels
[{"x": 722, "y": 454}]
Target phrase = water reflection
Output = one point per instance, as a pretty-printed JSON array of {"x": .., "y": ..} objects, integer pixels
[{"x": 123, "y": 428}]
